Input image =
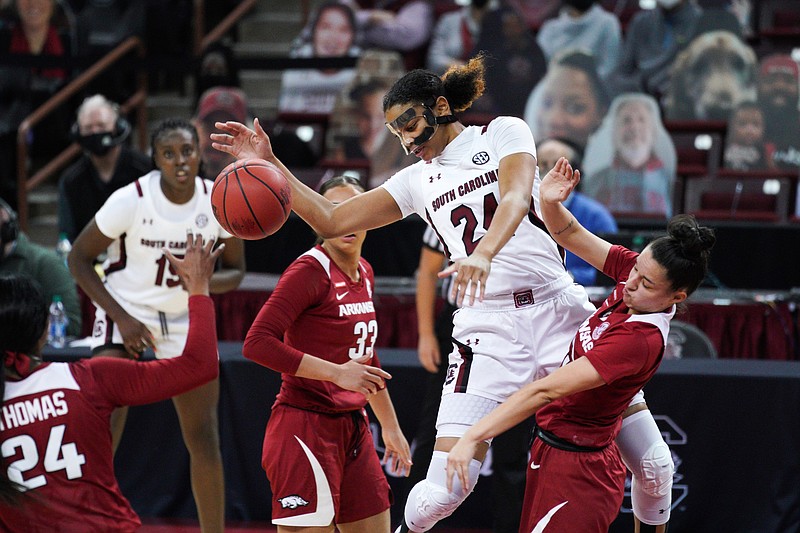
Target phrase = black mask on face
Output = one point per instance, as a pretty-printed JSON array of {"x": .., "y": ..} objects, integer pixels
[
  {"x": 98, "y": 143},
  {"x": 432, "y": 124},
  {"x": 580, "y": 5},
  {"x": 479, "y": 4}
]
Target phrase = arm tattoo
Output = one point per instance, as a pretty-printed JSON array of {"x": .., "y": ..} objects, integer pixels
[{"x": 566, "y": 227}]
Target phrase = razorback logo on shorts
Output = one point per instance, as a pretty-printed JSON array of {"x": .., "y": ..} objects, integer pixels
[{"x": 292, "y": 502}]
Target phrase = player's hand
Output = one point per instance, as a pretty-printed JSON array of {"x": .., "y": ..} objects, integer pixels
[
  {"x": 398, "y": 453},
  {"x": 197, "y": 265},
  {"x": 471, "y": 276},
  {"x": 135, "y": 336},
  {"x": 362, "y": 378},
  {"x": 241, "y": 142},
  {"x": 557, "y": 185},
  {"x": 428, "y": 352},
  {"x": 458, "y": 461}
]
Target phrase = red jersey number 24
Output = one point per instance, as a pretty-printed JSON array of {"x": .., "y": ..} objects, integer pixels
[{"x": 57, "y": 456}]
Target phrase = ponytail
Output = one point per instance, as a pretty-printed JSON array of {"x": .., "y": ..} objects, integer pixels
[
  {"x": 464, "y": 84},
  {"x": 460, "y": 85}
]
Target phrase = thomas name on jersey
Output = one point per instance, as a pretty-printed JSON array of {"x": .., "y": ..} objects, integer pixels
[
  {"x": 360, "y": 308},
  {"x": 25, "y": 412},
  {"x": 465, "y": 188}
]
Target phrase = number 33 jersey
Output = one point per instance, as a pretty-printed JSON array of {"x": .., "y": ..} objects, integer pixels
[
  {"x": 143, "y": 221},
  {"x": 458, "y": 192},
  {"x": 316, "y": 309}
]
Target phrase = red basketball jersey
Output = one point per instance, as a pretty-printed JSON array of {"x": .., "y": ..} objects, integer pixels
[
  {"x": 625, "y": 349},
  {"x": 56, "y": 442},
  {"x": 316, "y": 309},
  {"x": 55, "y": 435}
]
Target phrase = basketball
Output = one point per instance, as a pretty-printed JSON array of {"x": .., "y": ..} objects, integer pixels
[{"x": 251, "y": 198}]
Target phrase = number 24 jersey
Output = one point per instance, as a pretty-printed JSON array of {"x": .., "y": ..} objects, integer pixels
[{"x": 458, "y": 192}]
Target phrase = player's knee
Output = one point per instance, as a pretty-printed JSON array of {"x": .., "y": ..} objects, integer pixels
[
  {"x": 656, "y": 470},
  {"x": 428, "y": 503}
]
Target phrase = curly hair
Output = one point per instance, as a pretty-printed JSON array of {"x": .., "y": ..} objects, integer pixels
[{"x": 460, "y": 85}]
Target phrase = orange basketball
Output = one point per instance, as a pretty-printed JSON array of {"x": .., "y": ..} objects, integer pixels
[{"x": 251, "y": 198}]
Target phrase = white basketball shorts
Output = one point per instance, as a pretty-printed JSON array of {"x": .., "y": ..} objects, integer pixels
[
  {"x": 170, "y": 330},
  {"x": 499, "y": 347}
]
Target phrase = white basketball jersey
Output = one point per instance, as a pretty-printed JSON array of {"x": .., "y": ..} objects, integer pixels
[
  {"x": 457, "y": 193},
  {"x": 143, "y": 221}
]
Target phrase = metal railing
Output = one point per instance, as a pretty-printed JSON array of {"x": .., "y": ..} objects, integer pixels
[
  {"x": 26, "y": 183},
  {"x": 223, "y": 27}
]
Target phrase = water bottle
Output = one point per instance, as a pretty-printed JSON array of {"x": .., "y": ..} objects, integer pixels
[
  {"x": 57, "y": 334},
  {"x": 63, "y": 247}
]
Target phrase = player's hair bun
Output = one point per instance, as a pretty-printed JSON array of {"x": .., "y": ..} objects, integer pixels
[{"x": 695, "y": 241}]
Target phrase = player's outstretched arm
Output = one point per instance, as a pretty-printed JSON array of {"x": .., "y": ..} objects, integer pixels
[
  {"x": 555, "y": 188},
  {"x": 577, "y": 376},
  {"x": 366, "y": 211},
  {"x": 126, "y": 382}
]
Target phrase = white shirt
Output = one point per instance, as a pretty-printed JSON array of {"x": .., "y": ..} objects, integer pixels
[
  {"x": 453, "y": 192},
  {"x": 143, "y": 221}
]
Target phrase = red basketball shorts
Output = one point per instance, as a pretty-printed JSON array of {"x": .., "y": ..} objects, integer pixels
[
  {"x": 567, "y": 492},
  {"x": 322, "y": 468}
]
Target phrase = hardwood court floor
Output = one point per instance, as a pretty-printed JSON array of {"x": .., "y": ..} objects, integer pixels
[{"x": 173, "y": 525}]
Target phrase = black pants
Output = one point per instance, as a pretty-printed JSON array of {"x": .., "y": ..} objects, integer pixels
[{"x": 509, "y": 450}]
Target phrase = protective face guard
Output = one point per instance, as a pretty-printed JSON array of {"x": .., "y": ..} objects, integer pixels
[{"x": 398, "y": 125}]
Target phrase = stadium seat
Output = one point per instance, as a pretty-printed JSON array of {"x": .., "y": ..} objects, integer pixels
[
  {"x": 698, "y": 145},
  {"x": 740, "y": 195},
  {"x": 687, "y": 341}
]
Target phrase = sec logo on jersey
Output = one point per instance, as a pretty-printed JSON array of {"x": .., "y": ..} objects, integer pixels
[{"x": 481, "y": 158}]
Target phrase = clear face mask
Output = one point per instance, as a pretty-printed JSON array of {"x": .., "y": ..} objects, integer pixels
[{"x": 418, "y": 122}]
